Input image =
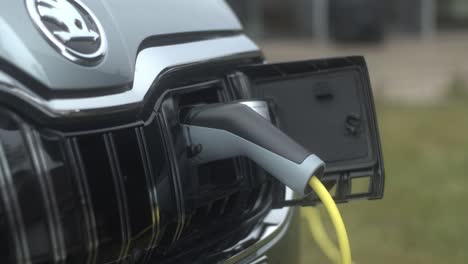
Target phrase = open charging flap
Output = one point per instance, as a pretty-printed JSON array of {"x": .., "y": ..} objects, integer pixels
[{"x": 327, "y": 106}]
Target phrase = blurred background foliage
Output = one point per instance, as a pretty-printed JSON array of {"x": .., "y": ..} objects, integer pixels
[
  {"x": 417, "y": 51},
  {"x": 422, "y": 218}
]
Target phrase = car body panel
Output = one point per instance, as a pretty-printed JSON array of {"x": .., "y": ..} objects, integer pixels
[
  {"x": 126, "y": 25},
  {"x": 179, "y": 32}
]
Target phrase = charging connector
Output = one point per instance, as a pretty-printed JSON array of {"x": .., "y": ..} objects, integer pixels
[
  {"x": 242, "y": 129},
  {"x": 235, "y": 129}
]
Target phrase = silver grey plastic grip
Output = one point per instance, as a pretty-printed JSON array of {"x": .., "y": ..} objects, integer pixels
[{"x": 217, "y": 144}]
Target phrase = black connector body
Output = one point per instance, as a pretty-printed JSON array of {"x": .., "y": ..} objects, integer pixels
[{"x": 235, "y": 129}]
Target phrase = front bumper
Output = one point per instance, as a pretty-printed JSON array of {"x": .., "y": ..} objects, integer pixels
[
  {"x": 69, "y": 117},
  {"x": 267, "y": 234}
]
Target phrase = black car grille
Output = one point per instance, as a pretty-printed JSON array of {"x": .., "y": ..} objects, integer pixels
[{"x": 122, "y": 194}]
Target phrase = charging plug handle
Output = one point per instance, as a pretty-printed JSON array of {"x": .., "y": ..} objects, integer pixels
[{"x": 235, "y": 129}]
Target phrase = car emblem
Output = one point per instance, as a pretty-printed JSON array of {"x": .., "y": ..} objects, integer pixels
[{"x": 71, "y": 28}]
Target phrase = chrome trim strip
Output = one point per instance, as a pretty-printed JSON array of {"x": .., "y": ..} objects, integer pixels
[
  {"x": 122, "y": 207},
  {"x": 14, "y": 214},
  {"x": 261, "y": 107},
  {"x": 151, "y": 190},
  {"x": 150, "y": 63},
  {"x": 6, "y": 79},
  {"x": 56, "y": 247},
  {"x": 43, "y": 172},
  {"x": 167, "y": 138},
  {"x": 268, "y": 233},
  {"x": 86, "y": 201},
  {"x": 261, "y": 260}
]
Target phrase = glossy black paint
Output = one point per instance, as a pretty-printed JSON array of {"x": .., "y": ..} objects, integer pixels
[
  {"x": 127, "y": 192},
  {"x": 68, "y": 191},
  {"x": 7, "y": 246},
  {"x": 114, "y": 117},
  {"x": 125, "y": 32},
  {"x": 117, "y": 186},
  {"x": 21, "y": 178},
  {"x": 214, "y": 196}
]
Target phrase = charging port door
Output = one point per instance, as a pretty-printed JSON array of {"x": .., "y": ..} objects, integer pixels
[{"x": 327, "y": 106}]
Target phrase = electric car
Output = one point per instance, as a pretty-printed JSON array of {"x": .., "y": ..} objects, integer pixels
[{"x": 108, "y": 150}]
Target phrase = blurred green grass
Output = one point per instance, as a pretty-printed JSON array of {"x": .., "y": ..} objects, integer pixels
[{"x": 423, "y": 217}]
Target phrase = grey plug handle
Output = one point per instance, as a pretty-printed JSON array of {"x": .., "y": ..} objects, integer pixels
[{"x": 235, "y": 129}]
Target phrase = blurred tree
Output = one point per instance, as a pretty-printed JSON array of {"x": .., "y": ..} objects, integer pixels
[{"x": 452, "y": 13}]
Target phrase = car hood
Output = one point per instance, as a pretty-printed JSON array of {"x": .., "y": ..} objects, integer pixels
[{"x": 26, "y": 54}]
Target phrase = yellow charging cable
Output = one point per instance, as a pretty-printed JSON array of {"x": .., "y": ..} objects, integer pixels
[
  {"x": 330, "y": 206},
  {"x": 319, "y": 234}
]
